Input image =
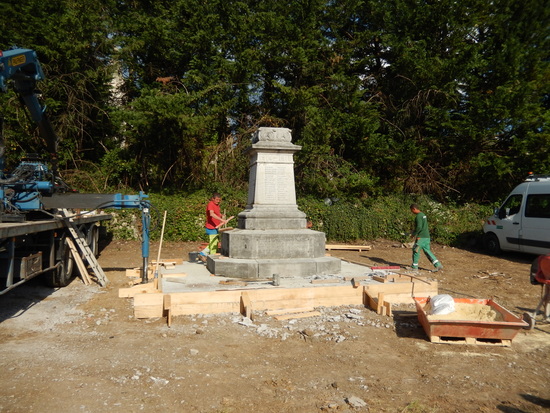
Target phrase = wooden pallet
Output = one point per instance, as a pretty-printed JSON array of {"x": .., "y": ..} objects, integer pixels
[{"x": 495, "y": 342}]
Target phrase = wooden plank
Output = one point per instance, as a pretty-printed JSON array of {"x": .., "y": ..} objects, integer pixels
[
  {"x": 300, "y": 315},
  {"x": 206, "y": 302},
  {"x": 471, "y": 341},
  {"x": 406, "y": 298},
  {"x": 305, "y": 297},
  {"x": 370, "y": 301},
  {"x": 137, "y": 289},
  {"x": 133, "y": 272},
  {"x": 83, "y": 271},
  {"x": 165, "y": 263},
  {"x": 398, "y": 278},
  {"x": 289, "y": 311},
  {"x": 379, "y": 304},
  {"x": 348, "y": 247},
  {"x": 416, "y": 289},
  {"x": 230, "y": 301},
  {"x": 246, "y": 305},
  {"x": 167, "y": 303},
  {"x": 387, "y": 308},
  {"x": 149, "y": 305}
]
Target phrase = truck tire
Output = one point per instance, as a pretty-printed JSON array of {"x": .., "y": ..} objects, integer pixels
[
  {"x": 491, "y": 244},
  {"x": 63, "y": 274}
]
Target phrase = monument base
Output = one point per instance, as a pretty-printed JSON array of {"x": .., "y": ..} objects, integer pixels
[
  {"x": 273, "y": 243},
  {"x": 272, "y": 217},
  {"x": 265, "y": 268}
]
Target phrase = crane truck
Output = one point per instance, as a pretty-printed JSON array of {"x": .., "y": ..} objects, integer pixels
[{"x": 38, "y": 225}]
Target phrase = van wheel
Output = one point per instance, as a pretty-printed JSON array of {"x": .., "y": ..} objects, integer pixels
[{"x": 491, "y": 244}]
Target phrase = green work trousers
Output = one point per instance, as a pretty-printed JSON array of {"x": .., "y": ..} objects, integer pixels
[
  {"x": 423, "y": 244},
  {"x": 213, "y": 240}
]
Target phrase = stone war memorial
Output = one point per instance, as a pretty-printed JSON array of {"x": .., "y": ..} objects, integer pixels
[{"x": 271, "y": 235}]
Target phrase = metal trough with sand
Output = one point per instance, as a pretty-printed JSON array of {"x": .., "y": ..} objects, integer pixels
[{"x": 446, "y": 329}]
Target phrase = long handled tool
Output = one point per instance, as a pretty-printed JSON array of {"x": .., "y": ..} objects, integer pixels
[{"x": 160, "y": 246}]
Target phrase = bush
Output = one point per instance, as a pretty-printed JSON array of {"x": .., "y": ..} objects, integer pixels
[
  {"x": 386, "y": 217},
  {"x": 185, "y": 216}
]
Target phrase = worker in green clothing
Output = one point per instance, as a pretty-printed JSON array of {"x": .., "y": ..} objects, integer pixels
[{"x": 421, "y": 235}]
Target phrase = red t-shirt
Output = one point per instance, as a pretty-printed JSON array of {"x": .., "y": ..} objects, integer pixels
[{"x": 212, "y": 223}]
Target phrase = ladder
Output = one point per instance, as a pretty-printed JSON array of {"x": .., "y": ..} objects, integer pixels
[{"x": 79, "y": 238}]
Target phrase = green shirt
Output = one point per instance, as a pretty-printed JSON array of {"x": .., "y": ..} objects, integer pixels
[{"x": 421, "y": 226}]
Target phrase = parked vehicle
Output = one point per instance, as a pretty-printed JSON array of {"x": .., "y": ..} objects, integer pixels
[
  {"x": 38, "y": 232},
  {"x": 522, "y": 223}
]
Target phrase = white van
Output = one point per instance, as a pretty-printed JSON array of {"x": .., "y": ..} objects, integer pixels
[{"x": 522, "y": 223}]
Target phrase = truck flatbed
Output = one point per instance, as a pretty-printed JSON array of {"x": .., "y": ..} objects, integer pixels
[
  {"x": 16, "y": 229},
  {"x": 32, "y": 248}
]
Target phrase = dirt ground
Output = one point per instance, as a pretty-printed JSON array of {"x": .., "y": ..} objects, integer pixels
[{"x": 79, "y": 349}]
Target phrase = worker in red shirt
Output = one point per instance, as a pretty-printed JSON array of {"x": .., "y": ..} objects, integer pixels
[{"x": 214, "y": 220}]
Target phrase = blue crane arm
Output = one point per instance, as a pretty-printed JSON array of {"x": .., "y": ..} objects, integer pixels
[{"x": 22, "y": 66}]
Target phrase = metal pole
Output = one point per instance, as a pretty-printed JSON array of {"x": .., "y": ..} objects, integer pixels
[{"x": 145, "y": 223}]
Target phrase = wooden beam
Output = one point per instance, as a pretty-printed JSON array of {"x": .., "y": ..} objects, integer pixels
[
  {"x": 413, "y": 289},
  {"x": 149, "y": 305},
  {"x": 246, "y": 305},
  {"x": 137, "y": 289},
  {"x": 211, "y": 302},
  {"x": 167, "y": 305},
  {"x": 133, "y": 272},
  {"x": 348, "y": 247},
  {"x": 397, "y": 277},
  {"x": 83, "y": 271},
  {"x": 205, "y": 302},
  {"x": 305, "y": 297}
]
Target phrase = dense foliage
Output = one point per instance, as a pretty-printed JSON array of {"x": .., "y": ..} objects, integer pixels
[
  {"x": 386, "y": 217},
  {"x": 447, "y": 98}
]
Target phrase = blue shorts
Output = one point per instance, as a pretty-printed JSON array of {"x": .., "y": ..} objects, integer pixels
[{"x": 211, "y": 231}]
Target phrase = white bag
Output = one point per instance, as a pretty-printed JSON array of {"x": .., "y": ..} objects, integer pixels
[{"x": 442, "y": 304}]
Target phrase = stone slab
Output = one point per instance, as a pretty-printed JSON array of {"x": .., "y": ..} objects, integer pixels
[
  {"x": 273, "y": 244},
  {"x": 265, "y": 268}
]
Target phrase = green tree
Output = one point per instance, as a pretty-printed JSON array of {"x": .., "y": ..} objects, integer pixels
[{"x": 72, "y": 41}]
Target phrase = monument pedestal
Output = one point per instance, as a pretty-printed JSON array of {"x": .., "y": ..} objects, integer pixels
[{"x": 271, "y": 235}]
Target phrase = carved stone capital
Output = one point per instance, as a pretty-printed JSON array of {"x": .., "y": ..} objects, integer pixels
[{"x": 267, "y": 134}]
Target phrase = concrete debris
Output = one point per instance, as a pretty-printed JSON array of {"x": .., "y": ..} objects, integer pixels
[
  {"x": 356, "y": 402},
  {"x": 246, "y": 321},
  {"x": 335, "y": 324},
  {"x": 353, "y": 316},
  {"x": 159, "y": 381}
]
